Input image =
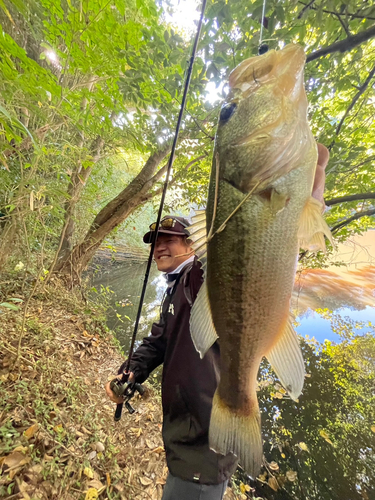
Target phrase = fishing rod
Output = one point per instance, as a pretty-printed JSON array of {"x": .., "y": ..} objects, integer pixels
[{"x": 121, "y": 386}]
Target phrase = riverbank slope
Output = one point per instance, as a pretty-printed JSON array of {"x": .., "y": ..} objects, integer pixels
[{"x": 58, "y": 439}]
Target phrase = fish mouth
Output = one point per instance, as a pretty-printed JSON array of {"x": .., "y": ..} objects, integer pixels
[{"x": 287, "y": 64}]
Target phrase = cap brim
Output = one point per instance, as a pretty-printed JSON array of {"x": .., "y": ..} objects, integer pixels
[{"x": 147, "y": 237}]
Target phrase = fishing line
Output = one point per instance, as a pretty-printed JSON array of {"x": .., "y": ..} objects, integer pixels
[
  {"x": 170, "y": 163},
  {"x": 263, "y": 47}
]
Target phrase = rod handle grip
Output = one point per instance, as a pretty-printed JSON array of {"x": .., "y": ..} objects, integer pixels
[{"x": 118, "y": 412}]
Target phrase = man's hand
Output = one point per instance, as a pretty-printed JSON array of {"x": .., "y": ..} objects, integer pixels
[
  {"x": 320, "y": 174},
  {"x": 110, "y": 393}
]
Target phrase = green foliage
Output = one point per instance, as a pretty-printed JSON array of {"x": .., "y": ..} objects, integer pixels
[
  {"x": 73, "y": 72},
  {"x": 323, "y": 444}
]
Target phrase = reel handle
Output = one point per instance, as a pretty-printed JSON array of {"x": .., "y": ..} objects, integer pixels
[{"x": 120, "y": 387}]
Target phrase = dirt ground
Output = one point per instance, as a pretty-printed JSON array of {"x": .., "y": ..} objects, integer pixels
[{"x": 58, "y": 439}]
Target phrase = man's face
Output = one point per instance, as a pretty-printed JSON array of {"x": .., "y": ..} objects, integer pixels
[{"x": 167, "y": 248}]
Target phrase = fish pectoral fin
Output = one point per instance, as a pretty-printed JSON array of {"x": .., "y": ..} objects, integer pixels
[
  {"x": 312, "y": 227},
  {"x": 240, "y": 434},
  {"x": 275, "y": 201},
  {"x": 202, "y": 328},
  {"x": 198, "y": 235},
  {"x": 287, "y": 361}
]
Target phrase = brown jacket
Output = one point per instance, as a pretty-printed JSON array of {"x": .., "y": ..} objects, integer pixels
[{"x": 188, "y": 385}]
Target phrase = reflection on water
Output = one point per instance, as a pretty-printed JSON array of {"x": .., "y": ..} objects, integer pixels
[
  {"x": 323, "y": 288},
  {"x": 349, "y": 289},
  {"x": 349, "y": 292},
  {"x": 124, "y": 281}
]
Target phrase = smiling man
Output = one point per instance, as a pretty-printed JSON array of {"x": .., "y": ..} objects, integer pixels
[{"x": 188, "y": 382}]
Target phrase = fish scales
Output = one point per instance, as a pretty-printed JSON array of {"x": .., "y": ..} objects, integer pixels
[{"x": 258, "y": 215}]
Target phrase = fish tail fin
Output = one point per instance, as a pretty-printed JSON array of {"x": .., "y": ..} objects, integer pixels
[
  {"x": 312, "y": 227},
  {"x": 232, "y": 432}
]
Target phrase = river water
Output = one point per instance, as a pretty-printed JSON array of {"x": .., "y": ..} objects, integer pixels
[{"x": 322, "y": 298}]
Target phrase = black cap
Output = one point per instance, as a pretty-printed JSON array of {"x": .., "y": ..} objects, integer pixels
[{"x": 178, "y": 228}]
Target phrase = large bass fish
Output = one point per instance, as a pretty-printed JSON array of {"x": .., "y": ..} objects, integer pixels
[{"x": 259, "y": 213}]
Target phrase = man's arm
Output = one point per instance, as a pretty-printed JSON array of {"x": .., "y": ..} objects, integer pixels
[{"x": 149, "y": 355}]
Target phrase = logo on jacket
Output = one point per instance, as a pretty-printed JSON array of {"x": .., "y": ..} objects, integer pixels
[{"x": 171, "y": 309}]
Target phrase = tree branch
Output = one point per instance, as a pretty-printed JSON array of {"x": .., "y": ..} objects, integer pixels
[
  {"x": 343, "y": 45},
  {"x": 351, "y": 197},
  {"x": 366, "y": 213},
  {"x": 355, "y": 98},
  {"x": 305, "y": 8},
  {"x": 175, "y": 179},
  {"x": 354, "y": 16},
  {"x": 346, "y": 29}
]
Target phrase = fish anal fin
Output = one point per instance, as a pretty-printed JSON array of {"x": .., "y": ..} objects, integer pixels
[
  {"x": 202, "y": 329},
  {"x": 312, "y": 227},
  {"x": 237, "y": 433},
  {"x": 286, "y": 359}
]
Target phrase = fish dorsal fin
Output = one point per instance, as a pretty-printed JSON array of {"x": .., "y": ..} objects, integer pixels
[
  {"x": 198, "y": 235},
  {"x": 312, "y": 227},
  {"x": 287, "y": 361},
  {"x": 202, "y": 328}
]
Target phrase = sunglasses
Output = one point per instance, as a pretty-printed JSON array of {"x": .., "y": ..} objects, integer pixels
[{"x": 167, "y": 223}]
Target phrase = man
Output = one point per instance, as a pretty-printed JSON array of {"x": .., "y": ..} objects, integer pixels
[{"x": 188, "y": 384}]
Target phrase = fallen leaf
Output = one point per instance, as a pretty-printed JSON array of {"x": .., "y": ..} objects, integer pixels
[
  {"x": 325, "y": 436},
  {"x": 149, "y": 444},
  {"x": 108, "y": 477},
  {"x": 30, "y": 432},
  {"x": 58, "y": 428},
  {"x": 92, "y": 494},
  {"x": 291, "y": 475},
  {"x": 99, "y": 446},
  {"x": 22, "y": 449},
  {"x": 274, "y": 466},
  {"x": 22, "y": 486},
  {"x": 91, "y": 455},
  {"x": 145, "y": 481},
  {"x": 283, "y": 455},
  {"x": 88, "y": 472},
  {"x": 303, "y": 446},
  {"x": 15, "y": 459},
  {"x": 373, "y": 428},
  {"x": 95, "y": 483},
  {"x": 272, "y": 483},
  {"x": 159, "y": 449}
]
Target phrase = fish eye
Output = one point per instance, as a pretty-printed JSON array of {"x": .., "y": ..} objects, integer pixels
[{"x": 227, "y": 111}]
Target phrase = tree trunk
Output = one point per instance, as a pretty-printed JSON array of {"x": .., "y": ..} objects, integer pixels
[
  {"x": 75, "y": 188},
  {"x": 115, "y": 212}
]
